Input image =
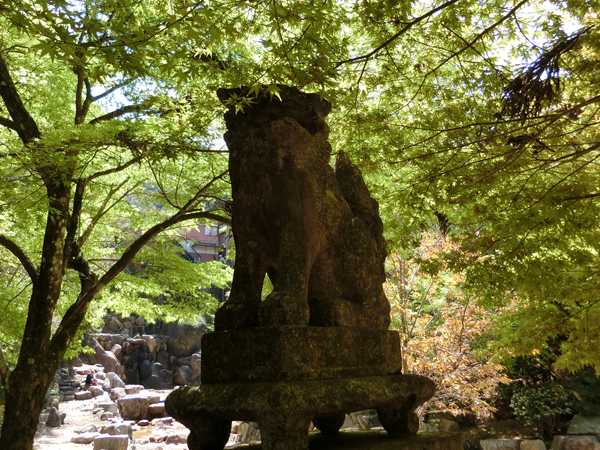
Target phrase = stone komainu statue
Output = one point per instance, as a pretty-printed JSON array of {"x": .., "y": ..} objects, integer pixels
[{"x": 314, "y": 229}]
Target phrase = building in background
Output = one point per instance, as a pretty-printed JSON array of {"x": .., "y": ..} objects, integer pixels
[{"x": 207, "y": 243}]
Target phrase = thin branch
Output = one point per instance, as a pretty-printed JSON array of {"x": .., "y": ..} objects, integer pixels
[
  {"x": 581, "y": 197},
  {"x": 103, "y": 210},
  {"x": 281, "y": 38},
  {"x": 479, "y": 36},
  {"x": 118, "y": 113},
  {"x": 22, "y": 257},
  {"x": 112, "y": 89},
  {"x": 116, "y": 169},
  {"x": 407, "y": 27},
  {"x": 420, "y": 307}
]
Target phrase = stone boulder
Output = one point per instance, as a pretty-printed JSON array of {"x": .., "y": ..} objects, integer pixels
[
  {"x": 150, "y": 342},
  {"x": 96, "y": 391},
  {"x": 83, "y": 395},
  {"x": 499, "y": 444},
  {"x": 587, "y": 425},
  {"x": 533, "y": 444},
  {"x": 575, "y": 443},
  {"x": 131, "y": 389},
  {"x": 85, "y": 438},
  {"x": 186, "y": 343},
  {"x": 108, "y": 442},
  {"x": 183, "y": 375},
  {"x": 156, "y": 409},
  {"x": 195, "y": 364},
  {"x": 55, "y": 418},
  {"x": 115, "y": 380},
  {"x": 117, "y": 428},
  {"x": 134, "y": 407}
]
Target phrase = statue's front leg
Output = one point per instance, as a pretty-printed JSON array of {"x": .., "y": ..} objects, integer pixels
[
  {"x": 241, "y": 309},
  {"x": 288, "y": 304}
]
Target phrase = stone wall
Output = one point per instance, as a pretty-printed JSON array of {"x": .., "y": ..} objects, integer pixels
[{"x": 156, "y": 361}]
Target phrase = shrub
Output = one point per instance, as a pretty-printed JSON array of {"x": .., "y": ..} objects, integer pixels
[{"x": 542, "y": 405}]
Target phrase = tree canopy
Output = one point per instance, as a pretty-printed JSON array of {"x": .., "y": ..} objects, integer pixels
[{"x": 475, "y": 118}]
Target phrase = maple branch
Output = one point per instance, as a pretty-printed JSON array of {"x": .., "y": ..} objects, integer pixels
[
  {"x": 116, "y": 169},
  {"x": 112, "y": 89},
  {"x": 407, "y": 27},
  {"x": 118, "y": 113},
  {"x": 12, "y": 246},
  {"x": 479, "y": 36}
]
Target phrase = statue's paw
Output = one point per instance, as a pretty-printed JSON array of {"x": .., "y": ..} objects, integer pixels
[
  {"x": 235, "y": 316},
  {"x": 280, "y": 310}
]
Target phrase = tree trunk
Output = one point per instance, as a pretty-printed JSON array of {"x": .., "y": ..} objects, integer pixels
[
  {"x": 29, "y": 381},
  {"x": 24, "y": 403}
]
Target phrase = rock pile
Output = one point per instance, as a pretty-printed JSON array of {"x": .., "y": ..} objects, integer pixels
[{"x": 157, "y": 361}]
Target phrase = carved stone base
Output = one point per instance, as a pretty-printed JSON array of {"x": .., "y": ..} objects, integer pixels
[
  {"x": 299, "y": 353},
  {"x": 285, "y": 409}
]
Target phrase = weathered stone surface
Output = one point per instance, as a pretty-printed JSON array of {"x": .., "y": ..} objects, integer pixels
[
  {"x": 106, "y": 416},
  {"x": 588, "y": 425},
  {"x": 96, "y": 391},
  {"x": 249, "y": 433},
  {"x": 117, "y": 350},
  {"x": 195, "y": 364},
  {"x": 83, "y": 395},
  {"x": 361, "y": 440},
  {"x": 448, "y": 425},
  {"x": 85, "y": 438},
  {"x": 499, "y": 444},
  {"x": 107, "y": 442},
  {"x": 54, "y": 418},
  {"x": 532, "y": 444},
  {"x": 326, "y": 244},
  {"x": 156, "y": 409},
  {"x": 134, "y": 407},
  {"x": 115, "y": 380},
  {"x": 180, "y": 437},
  {"x": 186, "y": 343},
  {"x": 182, "y": 376},
  {"x": 117, "y": 428},
  {"x": 131, "y": 389},
  {"x": 284, "y": 410},
  {"x": 299, "y": 353},
  {"x": 575, "y": 443},
  {"x": 88, "y": 428},
  {"x": 153, "y": 396},
  {"x": 150, "y": 342},
  {"x": 107, "y": 407},
  {"x": 117, "y": 393}
]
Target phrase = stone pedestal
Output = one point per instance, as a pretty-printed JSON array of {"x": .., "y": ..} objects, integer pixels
[{"x": 285, "y": 377}]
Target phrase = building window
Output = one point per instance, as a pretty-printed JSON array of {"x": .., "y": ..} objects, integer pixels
[{"x": 211, "y": 231}]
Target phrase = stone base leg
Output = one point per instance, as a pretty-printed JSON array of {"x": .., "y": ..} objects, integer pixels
[
  {"x": 329, "y": 425},
  {"x": 399, "y": 420},
  {"x": 208, "y": 434},
  {"x": 284, "y": 433}
]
